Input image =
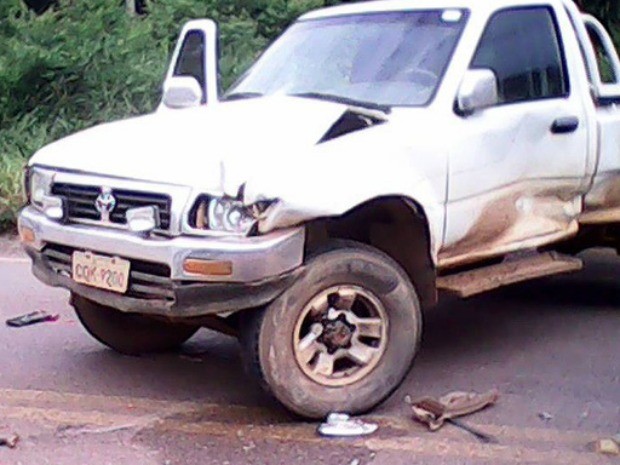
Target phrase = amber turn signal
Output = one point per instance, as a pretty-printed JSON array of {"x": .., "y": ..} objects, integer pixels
[
  {"x": 26, "y": 235},
  {"x": 207, "y": 267}
]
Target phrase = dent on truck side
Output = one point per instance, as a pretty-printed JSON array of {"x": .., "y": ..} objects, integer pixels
[
  {"x": 602, "y": 202},
  {"x": 506, "y": 193}
]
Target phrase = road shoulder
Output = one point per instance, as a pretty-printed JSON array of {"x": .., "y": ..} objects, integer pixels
[{"x": 10, "y": 248}]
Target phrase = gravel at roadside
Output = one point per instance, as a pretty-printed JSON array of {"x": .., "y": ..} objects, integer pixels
[{"x": 10, "y": 247}]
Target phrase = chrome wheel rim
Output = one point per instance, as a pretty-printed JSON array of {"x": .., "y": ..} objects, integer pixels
[{"x": 341, "y": 335}]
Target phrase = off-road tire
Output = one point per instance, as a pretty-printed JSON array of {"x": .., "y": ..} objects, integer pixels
[
  {"x": 127, "y": 333},
  {"x": 267, "y": 335}
]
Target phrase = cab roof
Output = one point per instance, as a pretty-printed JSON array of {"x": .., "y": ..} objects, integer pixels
[{"x": 378, "y": 6}]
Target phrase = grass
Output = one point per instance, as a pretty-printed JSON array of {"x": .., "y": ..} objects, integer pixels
[
  {"x": 89, "y": 62},
  {"x": 11, "y": 196},
  {"x": 17, "y": 144}
]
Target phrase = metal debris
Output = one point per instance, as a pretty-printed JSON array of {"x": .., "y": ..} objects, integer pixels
[
  {"x": 32, "y": 318},
  {"x": 434, "y": 413},
  {"x": 9, "y": 440},
  {"x": 250, "y": 446},
  {"x": 480, "y": 435},
  {"x": 78, "y": 430},
  {"x": 342, "y": 425},
  {"x": 545, "y": 416},
  {"x": 191, "y": 358}
]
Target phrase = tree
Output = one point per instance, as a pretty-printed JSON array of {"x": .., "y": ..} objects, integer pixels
[{"x": 607, "y": 11}]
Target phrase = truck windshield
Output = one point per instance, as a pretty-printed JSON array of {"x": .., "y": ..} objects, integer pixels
[{"x": 383, "y": 59}]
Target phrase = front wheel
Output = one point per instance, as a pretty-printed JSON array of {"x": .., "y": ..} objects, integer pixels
[
  {"x": 341, "y": 338},
  {"x": 127, "y": 333}
]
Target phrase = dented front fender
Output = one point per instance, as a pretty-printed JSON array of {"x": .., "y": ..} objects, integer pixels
[{"x": 337, "y": 176}]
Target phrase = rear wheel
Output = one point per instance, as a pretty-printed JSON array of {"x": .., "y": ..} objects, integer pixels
[
  {"x": 341, "y": 338},
  {"x": 128, "y": 333}
]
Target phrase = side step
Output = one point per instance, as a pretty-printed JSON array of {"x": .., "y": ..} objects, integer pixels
[{"x": 469, "y": 283}]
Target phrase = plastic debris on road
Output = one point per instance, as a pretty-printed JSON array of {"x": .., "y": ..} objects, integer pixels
[
  {"x": 545, "y": 416},
  {"x": 607, "y": 446},
  {"x": 342, "y": 425},
  {"x": 9, "y": 440},
  {"x": 434, "y": 413},
  {"x": 31, "y": 319}
]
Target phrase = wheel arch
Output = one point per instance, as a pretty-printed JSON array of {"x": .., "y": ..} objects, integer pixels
[{"x": 398, "y": 226}]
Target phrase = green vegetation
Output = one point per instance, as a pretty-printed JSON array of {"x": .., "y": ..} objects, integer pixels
[{"x": 84, "y": 62}]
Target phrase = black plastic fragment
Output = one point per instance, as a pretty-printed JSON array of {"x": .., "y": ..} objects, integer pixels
[{"x": 31, "y": 319}]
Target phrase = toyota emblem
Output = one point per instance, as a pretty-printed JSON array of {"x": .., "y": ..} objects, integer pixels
[{"x": 105, "y": 204}]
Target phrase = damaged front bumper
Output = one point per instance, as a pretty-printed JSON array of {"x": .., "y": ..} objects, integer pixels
[{"x": 261, "y": 267}]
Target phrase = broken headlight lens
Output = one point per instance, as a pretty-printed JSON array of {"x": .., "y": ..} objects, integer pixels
[
  {"x": 227, "y": 215},
  {"x": 230, "y": 216}
]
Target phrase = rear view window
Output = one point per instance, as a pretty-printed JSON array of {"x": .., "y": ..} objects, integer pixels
[
  {"x": 604, "y": 61},
  {"x": 522, "y": 47}
]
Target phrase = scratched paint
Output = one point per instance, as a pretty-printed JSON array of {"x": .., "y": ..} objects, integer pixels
[{"x": 520, "y": 216}]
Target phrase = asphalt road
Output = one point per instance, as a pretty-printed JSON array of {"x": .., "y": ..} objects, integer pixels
[{"x": 549, "y": 346}]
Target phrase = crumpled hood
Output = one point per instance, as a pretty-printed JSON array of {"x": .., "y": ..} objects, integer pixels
[{"x": 213, "y": 149}]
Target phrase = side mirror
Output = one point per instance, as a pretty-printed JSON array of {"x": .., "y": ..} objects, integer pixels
[
  {"x": 182, "y": 92},
  {"x": 478, "y": 90},
  {"x": 192, "y": 78}
]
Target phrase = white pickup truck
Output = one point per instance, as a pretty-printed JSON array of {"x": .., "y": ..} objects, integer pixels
[{"x": 374, "y": 157}]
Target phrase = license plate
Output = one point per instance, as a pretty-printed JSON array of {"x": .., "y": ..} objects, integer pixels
[{"x": 109, "y": 273}]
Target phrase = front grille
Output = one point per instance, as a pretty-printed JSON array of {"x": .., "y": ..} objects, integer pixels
[
  {"x": 147, "y": 280},
  {"x": 80, "y": 202}
]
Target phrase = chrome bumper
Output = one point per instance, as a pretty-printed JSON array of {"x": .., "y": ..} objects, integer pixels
[
  {"x": 262, "y": 267},
  {"x": 253, "y": 258}
]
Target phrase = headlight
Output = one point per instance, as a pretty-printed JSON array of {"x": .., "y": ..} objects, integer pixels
[
  {"x": 39, "y": 185},
  {"x": 225, "y": 215},
  {"x": 230, "y": 216}
]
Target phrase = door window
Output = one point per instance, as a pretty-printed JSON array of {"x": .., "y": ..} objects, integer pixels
[
  {"x": 191, "y": 61},
  {"x": 522, "y": 47}
]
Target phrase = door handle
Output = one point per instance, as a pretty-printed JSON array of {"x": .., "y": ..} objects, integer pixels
[{"x": 565, "y": 125}]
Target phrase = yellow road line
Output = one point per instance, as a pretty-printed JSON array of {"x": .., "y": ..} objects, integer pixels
[
  {"x": 62, "y": 417},
  {"x": 543, "y": 445},
  {"x": 142, "y": 405},
  {"x": 427, "y": 446},
  {"x": 247, "y": 414},
  {"x": 90, "y": 401},
  {"x": 300, "y": 433},
  {"x": 14, "y": 260},
  {"x": 512, "y": 432}
]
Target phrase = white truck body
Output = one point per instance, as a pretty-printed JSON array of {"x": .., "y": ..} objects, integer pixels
[
  {"x": 504, "y": 160},
  {"x": 493, "y": 165}
]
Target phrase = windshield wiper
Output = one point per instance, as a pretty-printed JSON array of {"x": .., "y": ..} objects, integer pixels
[
  {"x": 345, "y": 100},
  {"x": 242, "y": 95}
]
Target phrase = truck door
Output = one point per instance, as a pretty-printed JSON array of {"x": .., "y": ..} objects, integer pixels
[
  {"x": 192, "y": 78},
  {"x": 518, "y": 180},
  {"x": 602, "y": 202}
]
